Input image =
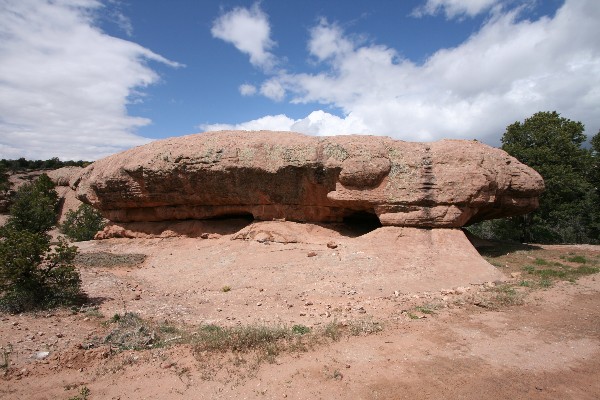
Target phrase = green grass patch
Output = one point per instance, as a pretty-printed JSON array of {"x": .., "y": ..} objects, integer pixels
[
  {"x": 551, "y": 273},
  {"x": 530, "y": 269},
  {"x": 300, "y": 329},
  {"x": 577, "y": 259}
]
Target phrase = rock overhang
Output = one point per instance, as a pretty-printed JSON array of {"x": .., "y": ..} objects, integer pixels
[{"x": 285, "y": 175}]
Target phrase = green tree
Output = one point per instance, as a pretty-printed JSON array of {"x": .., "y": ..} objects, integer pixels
[
  {"x": 595, "y": 172},
  {"x": 553, "y": 146},
  {"x": 35, "y": 206},
  {"x": 4, "y": 182},
  {"x": 33, "y": 275},
  {"x": 83, "y": 223}
]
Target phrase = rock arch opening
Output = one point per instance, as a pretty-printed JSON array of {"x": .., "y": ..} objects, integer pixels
[{"x": 361, "y": 222}]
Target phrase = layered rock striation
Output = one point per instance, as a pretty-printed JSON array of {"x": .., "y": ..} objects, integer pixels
[{"x": 283, "y": 175}]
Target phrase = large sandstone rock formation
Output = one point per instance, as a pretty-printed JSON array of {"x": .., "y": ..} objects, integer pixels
[{"x": 283, "y": 175}]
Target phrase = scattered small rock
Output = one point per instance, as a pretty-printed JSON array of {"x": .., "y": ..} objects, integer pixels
[
  {"x": 311, "y": 254},
  {"x": 41, "y": 355},
  {"x": 461, "y": 290},
  {"x": 332, "y": 245}
]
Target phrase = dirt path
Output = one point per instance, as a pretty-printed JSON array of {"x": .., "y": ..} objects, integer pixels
[{"x": 546, "y": 348}]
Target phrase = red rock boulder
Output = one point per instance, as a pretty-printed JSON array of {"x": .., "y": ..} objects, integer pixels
[{"x": 284, "y": 175}]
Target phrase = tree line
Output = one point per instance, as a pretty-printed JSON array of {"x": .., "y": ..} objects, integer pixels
[{"x": 22, "y": 164}]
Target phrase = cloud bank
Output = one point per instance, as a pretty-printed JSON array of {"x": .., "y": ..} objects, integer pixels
[
  {"x": 64, "y": 84},
  {"x": 506, "y": 71},
  {"x": 454, "y": 8}
]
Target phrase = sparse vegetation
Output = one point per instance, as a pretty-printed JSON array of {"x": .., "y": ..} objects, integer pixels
[
  {"x": 106, "y": 260},
  {"x": 84, "y": 393},
  {"x": 6, "y": 352},
  {"x": 426, "y": 309},
  {"x": 263, "y": 342},
  {"x": 135, "y": 333},
  {"x": 559, "y": 271},
  {"x": 225, "y": 289},
  {"x": 83, "y": 223}
]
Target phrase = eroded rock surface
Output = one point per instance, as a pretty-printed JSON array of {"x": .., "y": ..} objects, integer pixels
[{"x": 283, "y": 175}]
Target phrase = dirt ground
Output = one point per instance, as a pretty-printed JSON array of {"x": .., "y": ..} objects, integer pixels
[{"x": 517, "y": 337}]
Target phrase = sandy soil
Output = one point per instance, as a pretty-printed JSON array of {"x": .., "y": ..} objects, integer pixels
[{"x": 545, "y": 348}]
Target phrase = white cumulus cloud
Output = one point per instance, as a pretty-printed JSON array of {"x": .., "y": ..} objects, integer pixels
[
  {"x": 249, "y": 31},
  {"x": 507, "y": 71},
  {"x": 64, "y": 84}
]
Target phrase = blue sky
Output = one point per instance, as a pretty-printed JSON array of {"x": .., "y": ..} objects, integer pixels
[{"x": 82, "y": 79}]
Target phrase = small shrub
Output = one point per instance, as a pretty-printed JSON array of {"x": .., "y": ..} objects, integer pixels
[
  {"x": 82, "y": 224},
  {"x": 132, "y": 333},
  {"x": 5, "y": 361},
  {"x": 35, "y": 276},
  {"x": 84, "y": 393},
  {"x": 545, "y": 283},
  {"x": 541, "y": 261},
  {"x": 225, "y": 289},
  {"x": 426, "y": 309},
  {"x": 333, "y": 331},
  {"x": 300, "y": 329}
]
